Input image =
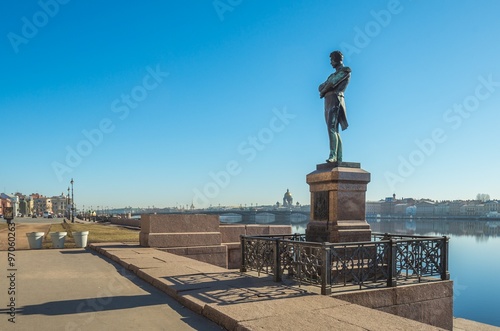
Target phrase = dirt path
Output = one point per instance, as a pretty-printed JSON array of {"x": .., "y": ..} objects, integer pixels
[{"x": 21, "y": 239}]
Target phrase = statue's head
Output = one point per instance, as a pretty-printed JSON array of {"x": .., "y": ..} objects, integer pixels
[{"x": 336, "y": 57}]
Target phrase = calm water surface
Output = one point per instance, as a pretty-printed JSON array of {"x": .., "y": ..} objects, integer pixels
[{"x": 474, "y": 263}]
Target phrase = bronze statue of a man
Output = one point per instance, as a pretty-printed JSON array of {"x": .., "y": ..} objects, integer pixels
[{"x": 335, "y": 112}]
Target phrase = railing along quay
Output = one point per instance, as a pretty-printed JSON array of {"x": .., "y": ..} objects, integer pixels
[{"x": 384, "y": 261}]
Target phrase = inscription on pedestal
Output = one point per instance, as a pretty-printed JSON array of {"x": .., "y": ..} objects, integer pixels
[{"x": 321, "y": 210}]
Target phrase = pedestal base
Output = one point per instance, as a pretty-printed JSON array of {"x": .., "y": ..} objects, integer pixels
[
  {"x": 342, "y": 232},
  {"x": 338, "y": 203}
]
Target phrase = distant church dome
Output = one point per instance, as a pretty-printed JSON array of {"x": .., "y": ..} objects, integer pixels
[{"x": 287, "y": 198}]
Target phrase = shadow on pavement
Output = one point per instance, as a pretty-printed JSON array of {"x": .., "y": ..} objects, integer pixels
[
  {"x": 233, "y": 288},
  {"x": 65, "y": 307},
  {"x": 75, "y": 251}
]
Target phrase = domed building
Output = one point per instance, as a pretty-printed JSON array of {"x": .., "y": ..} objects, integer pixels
[{"x": 287, "y": 199}]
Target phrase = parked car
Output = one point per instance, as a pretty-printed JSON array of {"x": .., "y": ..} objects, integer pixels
[
  {"x": 33, "y": 216},
  {"x": 50, "y": 216}
]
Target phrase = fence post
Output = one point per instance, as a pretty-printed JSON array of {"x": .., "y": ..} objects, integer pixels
[
  {"x": 391, "y": 279},
  {"x": 445, "y": 275},
  {"x": 277, "y": 261},
  {"x": 243, "y": 267},
  {"x": 326, "y": 270}
]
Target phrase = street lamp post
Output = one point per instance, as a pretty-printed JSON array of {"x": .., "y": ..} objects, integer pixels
[
  {"x": 72, "y": 203},
  {"x": 67, "y": 205}
]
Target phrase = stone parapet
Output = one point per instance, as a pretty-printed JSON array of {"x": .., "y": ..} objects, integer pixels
[
  {"x": 430, "y": 303},
  {"x": 201, "y": 237},
  {"x": 173, "y": 223},
  {"x": 168, "y": 240},
  {"x": 126, "y": 221},
  {"x": 232, "y": 233},
  {"x": 215, "y": 255}
]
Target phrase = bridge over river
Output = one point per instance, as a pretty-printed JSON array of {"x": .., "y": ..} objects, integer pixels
[{"x": 277, "y": 216}]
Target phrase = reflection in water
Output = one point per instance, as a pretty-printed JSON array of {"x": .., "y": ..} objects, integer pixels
[
  {"x": 230, "y": 218},
  {"x": 265, "y": 218},
  {"x": 296, "y": 218},
  {"x": 481, "y": 230},
  {"x": 299, "y": 228}
]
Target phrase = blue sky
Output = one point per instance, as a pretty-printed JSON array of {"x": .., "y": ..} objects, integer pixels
[{"x": 166, "y": 103}]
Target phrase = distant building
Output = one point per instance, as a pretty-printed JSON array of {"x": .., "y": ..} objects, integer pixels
[
  {"x": 373, "y": 208},
  {"x": 24, "y": 207},
  {"x": 491, "y": 206},
  {"x": 454, "y": 207},
  {"x": 287, "y": 199},
  {"x": 59, "y": 204},
  {"x": 41, "y": 204},
  {"x": 425, "y": 208},
  {"x": 442, "y": 209},
  {"x": 10, "y": 201},
  {"x": 480, "y": 210},
  {"x": 468, "y": 209},
  {"x": 387, "y": 207},
  {"x": 390, "y": 206},
  {"x": 4, "y": 202},
  {"x": 400, "y": 209}
]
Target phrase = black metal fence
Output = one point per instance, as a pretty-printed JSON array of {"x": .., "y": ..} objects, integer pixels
[{"x": 384, "y": 261}]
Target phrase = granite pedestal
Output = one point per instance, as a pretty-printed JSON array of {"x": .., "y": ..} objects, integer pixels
[{"x": 338, "y": 203}]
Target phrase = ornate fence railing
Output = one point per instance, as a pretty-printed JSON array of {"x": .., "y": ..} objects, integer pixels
[{"x": 384, "y": 261}]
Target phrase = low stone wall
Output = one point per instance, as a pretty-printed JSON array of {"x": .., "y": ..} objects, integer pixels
[
  {"x": 201, "y": 236},
  {"x": 430, "y": 303},
  {"x": 126, "y": 221}
]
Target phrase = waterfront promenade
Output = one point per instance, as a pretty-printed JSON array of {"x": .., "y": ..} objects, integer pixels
[
  {"x": 77, "y": 289},
  {"x": 128, "y": 287}
]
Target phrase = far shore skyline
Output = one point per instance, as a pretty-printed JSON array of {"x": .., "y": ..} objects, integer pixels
[{"x": 102, "y": 206}]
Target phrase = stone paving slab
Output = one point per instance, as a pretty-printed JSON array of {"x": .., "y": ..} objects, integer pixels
[
  {"x": 460, "y": 324},
  {"x": 307, "y": 321},
  {"x": 262, "y": 308},
  {"x": 243, "y": 302},
  {"x": 375, "y": 322}
]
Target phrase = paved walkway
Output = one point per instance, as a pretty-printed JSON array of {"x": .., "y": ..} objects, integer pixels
[
  {"x": 77, "y": 289},
  {"x": 460, "y": 324}
]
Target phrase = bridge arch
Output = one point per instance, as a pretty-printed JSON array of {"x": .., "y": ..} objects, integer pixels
[{"x": 230, "y": 218}]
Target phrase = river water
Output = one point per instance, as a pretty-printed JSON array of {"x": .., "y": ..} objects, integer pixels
[{"x": 474, "y": 261}]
